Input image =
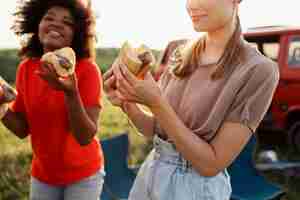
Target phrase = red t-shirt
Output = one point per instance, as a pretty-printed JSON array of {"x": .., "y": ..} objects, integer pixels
[{"x": 57, "y": 157}]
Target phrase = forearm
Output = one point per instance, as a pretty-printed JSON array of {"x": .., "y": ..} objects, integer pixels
[
  {"x": 144, "y": 122},
  {"x": 16, "y": 123},
  {"x": 198, "y": 152},
  {"x": 82, "y": 126}
]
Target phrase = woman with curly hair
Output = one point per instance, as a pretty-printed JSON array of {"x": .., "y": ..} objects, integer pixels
[
  {"x": 207, "y": 104},
  {"x": 59, "y": 114}
]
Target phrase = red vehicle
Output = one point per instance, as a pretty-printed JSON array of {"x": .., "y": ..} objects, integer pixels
[{"x": 281, "y": 44}]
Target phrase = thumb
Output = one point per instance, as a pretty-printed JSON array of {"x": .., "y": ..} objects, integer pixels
[{"x": 149, "y": 76}]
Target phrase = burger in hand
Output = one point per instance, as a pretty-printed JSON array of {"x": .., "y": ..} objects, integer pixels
[
  {"x": 138, "y": 60},
  {"x": 7, "y": 93},
  {"x": 63, "y": 60}
]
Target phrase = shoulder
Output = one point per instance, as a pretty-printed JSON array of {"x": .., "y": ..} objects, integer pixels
[
  {"x": 86, "y": 62},
  {"x": 173, "y": 44},
  {"x": 27, "y": 63},
  {"x": 257, "y": 65},
  {"x": 87, "y": 66}
]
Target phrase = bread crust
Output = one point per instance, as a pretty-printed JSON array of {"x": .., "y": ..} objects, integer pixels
[
  {"x": 63, "y": 61},
  {"x": 138, "y": 60}
]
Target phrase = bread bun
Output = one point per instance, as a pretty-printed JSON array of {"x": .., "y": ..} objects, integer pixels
[
  {"x": 7, "y": 93},
  {"x": 138, "y": 60},
  {"x": 63, "y": 61}
]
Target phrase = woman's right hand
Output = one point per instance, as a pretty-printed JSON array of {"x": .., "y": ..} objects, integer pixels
[
  {"x": 2, "y": 99},
  {"x": 7, "y": 94},
  {"x": 5, "y": 98},
  {"x": 110, "y": 89}
]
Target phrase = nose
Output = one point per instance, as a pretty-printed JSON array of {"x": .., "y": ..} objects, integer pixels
[
  {"x": 188, "y": 4},
  {"x": 193, "y": 4},
  {"x": 56, "y": 24}
]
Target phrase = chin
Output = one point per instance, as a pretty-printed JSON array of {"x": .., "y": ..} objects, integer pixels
[
  {"x": 206, "y": 29},
  {"x": 200, "y": 29},
  {"x": 53, "y": 46}
]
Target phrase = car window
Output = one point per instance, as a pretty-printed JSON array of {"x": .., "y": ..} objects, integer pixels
[
  {"x": 271, "y": 50},
  {"x": 294, "y": 52}
]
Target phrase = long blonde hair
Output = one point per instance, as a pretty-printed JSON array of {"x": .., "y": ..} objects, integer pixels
[{"x": 191, "y": 52}]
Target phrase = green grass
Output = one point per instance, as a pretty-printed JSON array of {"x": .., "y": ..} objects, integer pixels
[{"x": 15, "y": 156}]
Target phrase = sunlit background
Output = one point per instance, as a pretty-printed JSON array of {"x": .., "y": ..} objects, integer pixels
[{"x": 155, "y": 22}]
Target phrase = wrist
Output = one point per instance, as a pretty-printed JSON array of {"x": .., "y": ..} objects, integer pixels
[
  {"x": 3, "y": 110},
  {"x": 71, "y": 93},
  {"x": 125, "y": 107},
  {"x": 157, "y": 104}
]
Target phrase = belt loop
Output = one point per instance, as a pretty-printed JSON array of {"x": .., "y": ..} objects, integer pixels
[{"x": 185, "y": 165}]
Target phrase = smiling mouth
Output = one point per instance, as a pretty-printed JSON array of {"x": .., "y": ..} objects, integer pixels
[
  {"x": 54, "y": 34},
  {"x": 197, "y": 17}
]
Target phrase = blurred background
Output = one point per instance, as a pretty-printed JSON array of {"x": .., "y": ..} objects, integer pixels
[
  {"x": 153, "y": 23},
  {"x": 156, "y": 22}
]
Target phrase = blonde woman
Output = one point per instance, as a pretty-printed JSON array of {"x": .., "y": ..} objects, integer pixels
[{"x": 207, "y": 104}]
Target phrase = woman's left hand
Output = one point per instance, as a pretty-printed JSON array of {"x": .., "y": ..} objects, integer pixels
[
  {"x": 66, "y": 84},
  {"x": 134, "y": 90}
]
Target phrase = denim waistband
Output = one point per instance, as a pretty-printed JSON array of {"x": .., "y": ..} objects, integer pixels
[{"x": 167, "y": 153}]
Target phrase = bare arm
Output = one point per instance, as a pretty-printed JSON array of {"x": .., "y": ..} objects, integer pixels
[
  {"x": 207, "y": 158},
  {"x": 143, "y": 121},
  {"x": 83, "y": 121},
  {"x": 16, "y": 122}
]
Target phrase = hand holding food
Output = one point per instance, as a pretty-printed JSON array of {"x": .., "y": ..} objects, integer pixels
[
  {"x": 138, "y": 60},
  {"x": 7, "y": 94},
  {"x": 63, "y": 60}
]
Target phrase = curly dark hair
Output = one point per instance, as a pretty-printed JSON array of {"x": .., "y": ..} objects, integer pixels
[{"x": 30, "y": 13}]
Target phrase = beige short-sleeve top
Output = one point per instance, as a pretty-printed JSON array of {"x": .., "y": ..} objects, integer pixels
[{"x": 242, "y": 95}]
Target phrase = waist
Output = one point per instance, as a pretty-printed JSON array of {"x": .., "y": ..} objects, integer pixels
[
  {"x": 68, "y": 163},
  {"x": 57, "y": 174},
  {"x": 166, "y": 152}
]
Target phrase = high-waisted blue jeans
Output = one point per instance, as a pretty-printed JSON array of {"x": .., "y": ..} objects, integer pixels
[{"x": 165, "y": 175}]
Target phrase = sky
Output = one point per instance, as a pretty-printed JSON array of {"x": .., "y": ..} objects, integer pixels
[{"x": 156, "y": 22}]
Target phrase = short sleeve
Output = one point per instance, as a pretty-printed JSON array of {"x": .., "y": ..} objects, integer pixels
[
  {"x": 90, "y": 85},
  {"x": 18, "y": 104},
  {"x": 254, "y": 98}
]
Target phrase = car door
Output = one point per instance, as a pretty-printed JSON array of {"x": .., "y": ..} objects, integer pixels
[{"x": 287, "y": 96}]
